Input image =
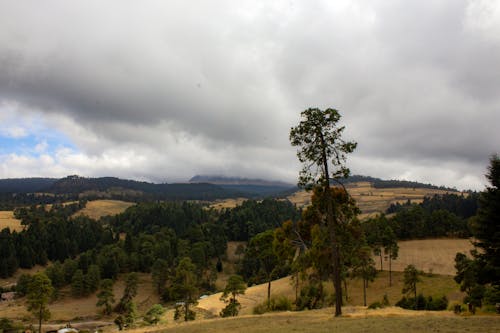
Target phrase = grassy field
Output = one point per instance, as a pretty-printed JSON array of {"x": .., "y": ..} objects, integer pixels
[
  {"x": 429, "y": 255},
  {"x": 318, "y": 321},
  {"x": 7, "y": 220},
  {"x": 99, "y": 208},
  {"x": 373, "y": 200}
]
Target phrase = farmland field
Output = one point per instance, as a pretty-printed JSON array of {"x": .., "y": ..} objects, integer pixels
[
  {"x": 7, "y": 220},
  {"x": 99, "y": 208},
  {"x": 373, "y": 200}
]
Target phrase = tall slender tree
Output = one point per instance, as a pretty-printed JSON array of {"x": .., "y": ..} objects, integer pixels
[
  {"x": 323, "y": 152},
  {"x": 39, "y": 292}
]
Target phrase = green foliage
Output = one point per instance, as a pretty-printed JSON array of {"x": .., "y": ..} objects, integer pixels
[
  {"x": 105, "y": 297},
  {"x": 231, "y": 309},
  {"x": 312, "y": 296},
  {"x": 280, "y": 303},
  {"x": 159, "y": 273},
  {"x": 411, "y": 278},
  {"x": 375, "y": 305},
  {"x": 423, "y": 303},
  {"x": 78, "y": 287},
  {"x": 153, "y": 315},
  {"x": 485, "y": 227},
  {"x": 235, "y": 286},
  {"x": 130, "y": 291},
  {"x": 185, "y": 287},
  {"x": 39, "y": 293},
  {"x": 22, "y": 285},
  {"x": 7, "y": 325}
]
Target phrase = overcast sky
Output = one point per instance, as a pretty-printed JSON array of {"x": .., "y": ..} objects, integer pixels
[{"x": 164, "y": 90}]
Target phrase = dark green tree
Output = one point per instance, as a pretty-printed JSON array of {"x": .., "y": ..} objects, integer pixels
[
  {"x": 185, "y": 287},
  {"x": 323, "y": 152},
  {"x": 130, "y": 291},
  {"x": 260, "y": 258},
  {"x": 105, "y": 297},
  {"x": 39, "y": 292},
  {"x": 411, "y": 277},
  {"x": 235, "y": 286},
  {"x": 92, "y": 278},
  {"x": 159, "y": 274},
  {"x": 486, "y": 227},
  {"x": 78, "y": 287},
  {"x": 365, "y": 268}
]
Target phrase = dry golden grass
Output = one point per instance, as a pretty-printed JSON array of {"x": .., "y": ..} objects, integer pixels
[
  {"x": 373, "y": 200},
  {"x": 227, "y": 203},
  {"x": 7, "y": 220},
  {"x": 67, "y": 308},
  {"x": 99, "y": 208},
  {"x": 322, "y": 321},
  {"x": 436, "y": 255}
]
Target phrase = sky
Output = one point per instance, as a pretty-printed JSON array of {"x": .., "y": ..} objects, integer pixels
[{"x": 164, "y": 90}]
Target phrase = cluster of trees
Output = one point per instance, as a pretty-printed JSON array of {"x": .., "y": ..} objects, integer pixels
[
  {"x": 48, "y": 235},
  {"x": 479, "y": 274},
  {"x": 447, "y": 215}
]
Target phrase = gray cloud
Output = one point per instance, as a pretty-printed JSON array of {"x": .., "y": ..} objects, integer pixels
[{"x": 166, "y": 90}]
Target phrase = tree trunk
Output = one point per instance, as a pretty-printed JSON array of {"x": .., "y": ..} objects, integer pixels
[
  {"x": 364, "y": 291},
  {"x": 268, "y": 293},
  {"x": 337, "y": 283},
  {"x": 390, "y": 271},
  {"x": 345, "y": 290},
  {"x": 381, "y": 260},
  {"x": 186, "y": 312},
  {"x": 40, "y": 315}
]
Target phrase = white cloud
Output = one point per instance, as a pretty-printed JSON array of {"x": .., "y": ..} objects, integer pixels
[{"x": 165, "y": 90}]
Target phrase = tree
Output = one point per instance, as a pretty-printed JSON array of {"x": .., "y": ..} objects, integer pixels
[
  {"x": 320, "y": 143},
  {"x": 260, "y": 258},
  {"x": 105, "y": 297},
  {"x": 159, "y": 274},
  {"x": 78, "y": 288},
  {"x": 365, "y": 268},
  {"x": 154, "y": 314},
  {"x": 411, "y": 277},
  {"x": 39, "y": 292},
  {"x": 185, "y": 286},
  {"x": 235, "y": 286},
  {"x": 486, "y": 227},
  {"x": 129, "y": 292}
]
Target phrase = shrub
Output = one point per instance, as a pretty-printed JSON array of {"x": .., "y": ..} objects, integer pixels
[
  {"x": 375, "y": 305},
  {"x": 280, "y": 303},
  {"x": 423, "y": 303},
  {"x": 311, "y": 296}
]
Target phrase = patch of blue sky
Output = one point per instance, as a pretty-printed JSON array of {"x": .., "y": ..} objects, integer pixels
[{"x": 35, "y": 144}]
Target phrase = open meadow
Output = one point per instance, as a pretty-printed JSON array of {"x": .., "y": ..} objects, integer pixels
[
  {"x": 98, "y": 208},
  {"x": 7, "y": 220},
  {"x": 373, "y": 200}
]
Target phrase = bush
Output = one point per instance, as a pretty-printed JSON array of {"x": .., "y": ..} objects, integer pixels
[
  {"x": 492, "y": 295},
  {"x": 311, "y": 296},
  {"x": 280, "y": 303},
  {"x": 375, "y": 305},
  {"x": 423, "y": 303},
  {"x": 380, "y": 305}
]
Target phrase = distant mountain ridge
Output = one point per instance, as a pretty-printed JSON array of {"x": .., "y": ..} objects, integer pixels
[
  {"x": 222, "y": 180},
  {"x": 200, "y": 187}
]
